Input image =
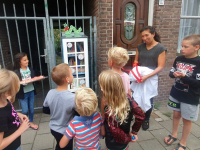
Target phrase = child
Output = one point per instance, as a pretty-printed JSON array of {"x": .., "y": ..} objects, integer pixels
[
  {"x": 27, "y": 92},
  {"x": 60, "y": 103},
  {"x": 10, "y": 126},
  {"x": 117, "y": 58},
  {"x": 185, "y": 93},
  {"x": 88, "y": 126},
  {"x": 119, "y": 111}
]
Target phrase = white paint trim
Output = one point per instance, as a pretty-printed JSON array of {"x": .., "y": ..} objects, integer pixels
[{"x": 150, "y": 15}]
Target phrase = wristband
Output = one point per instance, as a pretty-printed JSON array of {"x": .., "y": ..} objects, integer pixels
[{"x": 135, "y": 64}]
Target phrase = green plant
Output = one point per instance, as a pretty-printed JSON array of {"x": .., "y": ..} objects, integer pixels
[
  {"x": 168, "y": 114},
  {"x": 156, "y": 105}
]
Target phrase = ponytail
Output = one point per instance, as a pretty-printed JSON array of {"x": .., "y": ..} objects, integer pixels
[{"x": 152, "y": 30}]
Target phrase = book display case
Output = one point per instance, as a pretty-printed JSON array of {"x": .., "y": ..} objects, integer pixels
[{"x": 75, "y": 54}]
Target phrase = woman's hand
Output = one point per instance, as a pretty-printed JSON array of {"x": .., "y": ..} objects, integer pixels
[{"x": 144, "y": 78}]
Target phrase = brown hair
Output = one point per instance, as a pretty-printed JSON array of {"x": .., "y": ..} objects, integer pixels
[
  {"x": 86, "y": 101},
  {"x": 152, "y": 30},
  {"x": 59, "y": 73},
  {"x": 194, "y": 39},
  {"x": 17, "y": 60},
  {"x": 9, "y": 84}
]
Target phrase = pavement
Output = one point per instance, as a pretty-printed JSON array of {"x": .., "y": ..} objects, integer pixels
[{"x": 152, "y": 139}]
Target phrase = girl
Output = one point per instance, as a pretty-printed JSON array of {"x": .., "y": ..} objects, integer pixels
[
  {"x": 150, "y": 54},
  {"x": 119, "y": 111},
  {"x": 26, "y": 93},
  {"x": 10, "y": 126}
]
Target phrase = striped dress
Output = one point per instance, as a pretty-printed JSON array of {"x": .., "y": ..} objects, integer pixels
[{"x": 86, "y": 131}]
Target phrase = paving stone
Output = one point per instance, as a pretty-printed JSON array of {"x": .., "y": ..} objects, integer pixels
[
  {"x": 198, "y": 121},
  {"x": 160, "y": 135},
  {"x": 144, "y": 135},
  {"x": 37, "y": 115},
  {"x": 154, "y": 124},
  {"x": 171, "y": 147},
  {"x": 44, "y": 141},
  {"x": 168, "y": 125},
  {"x": 45, "y": 119},
  {"x": 103, "y": 144},
  {"x": 195, "y": 130},
  {"x": 28, "y": 136},
  {"x": 165, "y": 109},
  {"x": 26, "y": 147},
  {"x": 192, "y": 142},
  {"x": 134, "y": 146},
  {"x": 161, "y": 115},
  {"x": 43, "y": 128},
  {"x": 158, "y": 119},
  {"x": 151, "y": 145},
  {"x": 45, "y": 115}
]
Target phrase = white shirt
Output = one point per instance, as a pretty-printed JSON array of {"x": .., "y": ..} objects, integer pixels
[{"x": 144, "y": 91}]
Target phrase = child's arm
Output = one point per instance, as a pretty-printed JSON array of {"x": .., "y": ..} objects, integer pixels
[
  {"x": 129, "y": 92},
  {"x": 172, "y": 73},
  {"x": 102, "y": 107},
  {"x": 23, "y": 117},
  {"x": 190, "y": 81},
  {"x": 46, "y": 109},
  {"x": 102, "y": 131},
  {"x": 139, "y": 117},
  {"x": 4, "y": 142},
  {"x": 69, "y": 133},
  {"x": 64, "y": 141}
]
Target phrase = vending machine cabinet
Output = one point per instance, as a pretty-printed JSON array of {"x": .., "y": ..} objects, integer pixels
[{"x": 75, "y": 54}]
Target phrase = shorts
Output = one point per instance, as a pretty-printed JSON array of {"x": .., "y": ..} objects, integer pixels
[{"x": 188, "y": 111}]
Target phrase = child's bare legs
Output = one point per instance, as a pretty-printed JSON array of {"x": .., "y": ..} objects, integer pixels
[
  {"x": 176, "y": 122},
  {"x": 187, "y": 125}
]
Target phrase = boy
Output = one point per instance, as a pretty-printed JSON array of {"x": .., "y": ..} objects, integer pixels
[
  {"x": 117, "y": 58},
  {"x": 60, "y": 103},
  {"x": 185, "y": 93},
  {"x": 86, "y": 127}
]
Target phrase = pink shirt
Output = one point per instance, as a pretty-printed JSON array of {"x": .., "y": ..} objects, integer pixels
[{"x": 126, "y": 81}]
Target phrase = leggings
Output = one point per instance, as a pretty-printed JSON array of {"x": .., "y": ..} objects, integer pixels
[
  {"x": 148, "y": 113},
  {"x": 58, "y": 137}
]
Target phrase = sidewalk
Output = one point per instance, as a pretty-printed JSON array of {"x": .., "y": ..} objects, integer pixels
[{"x": 153, "y": 139}]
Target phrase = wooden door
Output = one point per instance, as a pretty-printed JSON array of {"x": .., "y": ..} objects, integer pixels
[{"x": 129, "y": 17}]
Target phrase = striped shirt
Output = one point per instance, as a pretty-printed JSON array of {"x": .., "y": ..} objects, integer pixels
[{"x": 86, "y": 131}]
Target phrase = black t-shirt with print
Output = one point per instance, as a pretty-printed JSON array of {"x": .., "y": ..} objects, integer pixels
[
  {"x": 9, "y": 123},
  {"x": 186, "y": 89}
]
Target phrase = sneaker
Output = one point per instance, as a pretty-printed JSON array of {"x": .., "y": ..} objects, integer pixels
[{"x": 145, "y": 125}]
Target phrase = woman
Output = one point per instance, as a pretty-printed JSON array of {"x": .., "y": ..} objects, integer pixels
[{"x": 150, "y": 54}]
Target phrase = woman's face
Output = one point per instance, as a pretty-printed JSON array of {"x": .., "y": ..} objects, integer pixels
[{"x": 147, "y": 37}]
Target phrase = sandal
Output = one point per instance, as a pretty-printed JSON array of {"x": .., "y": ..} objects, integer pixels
[
  {"x": 180, "y": 146},
  {"x": 34, "y": 127},
  {"x": 170, "y": 138}
]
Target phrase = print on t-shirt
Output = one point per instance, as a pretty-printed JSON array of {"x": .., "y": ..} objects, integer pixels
[
  {"x": 14, "y": 114},
  {"x": 185, "y": 68}
]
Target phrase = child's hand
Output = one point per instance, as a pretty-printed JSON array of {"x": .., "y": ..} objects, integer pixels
[
  {"x": 179, "y": 74},
  {"x": 24, "y": 126},
  {"x": 23, "y": 117},
  {"x": 136, "y": 137}
]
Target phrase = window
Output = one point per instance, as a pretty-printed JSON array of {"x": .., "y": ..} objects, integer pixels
[
  {"x": 129, "y": 21},
  {"x": 190, "y": 8}
]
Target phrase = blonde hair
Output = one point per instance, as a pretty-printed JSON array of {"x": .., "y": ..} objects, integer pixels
[
  {"x": 118, "y": 55},
  {"x": 9, "y": 84},
  {"x": 114, "y": 94},
  {"x": 59, "y": 73},
  {"x": 194, "y": 39},
  {"x": 86, "y": 101}
]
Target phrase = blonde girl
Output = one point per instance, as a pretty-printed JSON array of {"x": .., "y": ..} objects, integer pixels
[
  {"x": 118, "y": 112},
  {"x": 10, "y": 126}
]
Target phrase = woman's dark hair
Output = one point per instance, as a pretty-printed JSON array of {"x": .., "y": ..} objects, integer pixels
[
  {"x": 17, "y": 60},
  {"x": 152, "y": 30}
]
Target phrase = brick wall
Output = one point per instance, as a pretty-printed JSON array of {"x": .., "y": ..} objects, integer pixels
[
  {"x": 166, "y": 19},
  {"x": 102, "y": 9}
]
